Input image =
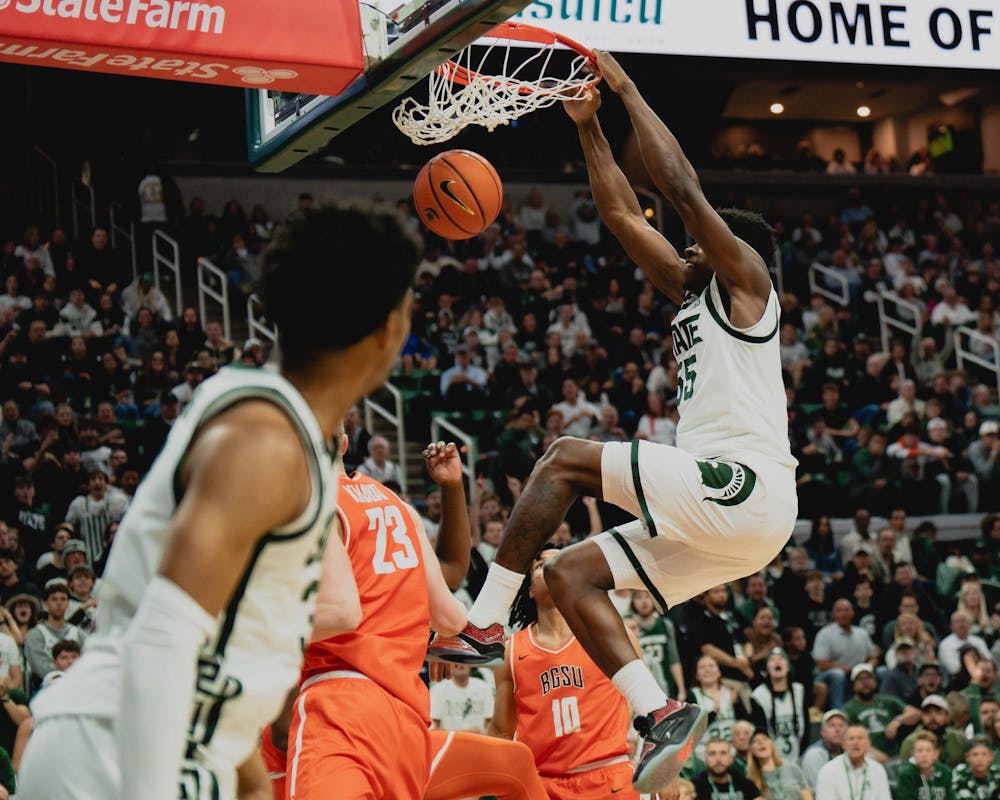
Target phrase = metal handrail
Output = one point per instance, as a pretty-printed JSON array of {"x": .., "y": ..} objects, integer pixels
[
  {"x": 171, "y": 263},
  {"x": 885, "y": 321},
  {"x": 470, "y": 446},
  {"x": 398, "y": 422},
  {"x": 117, "y": 230},
  {"x": 208, "y": 276},
  {"x": 257, "y": 323},
  {"x": 79, "y": 204},
  {"x": 963, "y": 354},
  {"x": 818, "y": 287}
]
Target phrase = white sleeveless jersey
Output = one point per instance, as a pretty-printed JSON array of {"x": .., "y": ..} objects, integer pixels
[
  {"x": 246, "y": 670},
  {"x": 731, "y": 397}
]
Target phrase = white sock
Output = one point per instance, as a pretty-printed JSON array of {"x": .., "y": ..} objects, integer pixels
[
  {"x": 493, "y": 603},
  {"x": 639, "y": 687}
]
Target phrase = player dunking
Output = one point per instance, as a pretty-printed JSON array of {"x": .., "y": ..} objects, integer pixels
[
  {"x": 207, "y": 598},
  {"x": 359, "y": 727},
  {"x": 552, "y": 696},
  {"x": 715, "y": 508}
]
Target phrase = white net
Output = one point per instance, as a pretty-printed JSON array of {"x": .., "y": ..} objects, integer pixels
[{"x": 499, "y": 83}]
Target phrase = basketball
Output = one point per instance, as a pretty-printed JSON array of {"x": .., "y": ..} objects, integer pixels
[{"x": 458, "y": 194}]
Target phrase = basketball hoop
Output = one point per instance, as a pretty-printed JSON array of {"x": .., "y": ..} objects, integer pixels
[{"x": 497, "y": 86}]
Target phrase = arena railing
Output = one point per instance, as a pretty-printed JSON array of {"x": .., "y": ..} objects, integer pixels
[
  {"x": 213, "y": 284},
  {"x": 46, "y": 164},
  {"x": 964, "y": 337},
  {"x": 118, "y": 231},
  {"x": 468, "y": 446},
  {"x": 257, "y": 323},
  {"x": 820, "y": 279},
  {"x": 83, "y": 202},
  {"x": 895, "y": 321},
  {"x": 167, "y": 256},
  {"x": 396, "y": 419}
]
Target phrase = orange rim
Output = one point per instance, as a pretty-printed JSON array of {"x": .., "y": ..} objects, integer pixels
[{"x": 520, "y": 32}]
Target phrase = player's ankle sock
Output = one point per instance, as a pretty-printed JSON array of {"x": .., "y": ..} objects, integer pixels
[
  {"x": 493, "y": 603},
  {"x": 639, "y": 687}
]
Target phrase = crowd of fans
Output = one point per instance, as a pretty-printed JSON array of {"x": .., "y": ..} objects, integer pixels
[{"x": 543, "y": 323}]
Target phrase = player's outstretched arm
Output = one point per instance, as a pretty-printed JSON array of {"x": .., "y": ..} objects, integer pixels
[
  {"x": 735, "y": 263},
  {"x": 454, "y": 544},
  {"x": 252, "y": 780},
  {"x": 338, "y": 607},
  {"x": 503, "y": 724},
  {"x": 617, "y": 204},
  {"x": 235, "y": 489},
  {"x": 448, "y": 615}
]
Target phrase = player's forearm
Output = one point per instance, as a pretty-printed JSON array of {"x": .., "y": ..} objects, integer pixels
[
  {"x": 159, "y": 666},
  {"x": 612, "y": 193},
  {"x": 665, "y": 162},
  {"x": 454, "y": 544}
]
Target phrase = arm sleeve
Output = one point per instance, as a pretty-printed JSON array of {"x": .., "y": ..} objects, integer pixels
[{"x": 159, "y": 671}]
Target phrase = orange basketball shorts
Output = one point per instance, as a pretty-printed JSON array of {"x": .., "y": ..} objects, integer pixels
[
  {"x": 614, "y": 781},
  {"x": 351, "y": 734}
]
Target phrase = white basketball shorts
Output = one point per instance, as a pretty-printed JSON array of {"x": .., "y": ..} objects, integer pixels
[{"x": 700, "y": 523}]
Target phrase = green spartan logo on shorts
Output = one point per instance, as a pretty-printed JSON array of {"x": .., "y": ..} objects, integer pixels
[{"x": 726, "y": 484}]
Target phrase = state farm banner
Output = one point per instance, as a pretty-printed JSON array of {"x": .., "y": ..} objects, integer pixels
[
  {"x": 292, "y": 45},
  {"x": 919, "y": 33}
]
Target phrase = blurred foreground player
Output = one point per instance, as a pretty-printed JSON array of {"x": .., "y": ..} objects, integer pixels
[
  {"x": 360, "y": 721},
  {"x": 206, "y": 601},
  {"x": 717, "y": 507},
  {"x": 552, "y": 697}
]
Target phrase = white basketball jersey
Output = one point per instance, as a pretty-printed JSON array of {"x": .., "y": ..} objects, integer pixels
[
  {"x": 246, "y": 670},
  {"x": 731, "y": 397}
]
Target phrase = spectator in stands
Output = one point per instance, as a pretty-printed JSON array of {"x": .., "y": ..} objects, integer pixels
[
  {"x": 717, "y": 635},
  {"x": 464, "y": 384},
  {"x": 840, "y": 165},
  {"x": 143, "y": 293},
  {"x": 91, "y": 513},
  {"x": 829, "y": 746},
  {"x": 773, "y": 775},
  {"x": 658, "y": 639},
  {"x": 952, "y": 310},
  {"x": 357, "y": 440},
  {"x": 193, "y": 376},
  {"x": 907, "y": 401},
  {"x": 33, "y": 253},
  {"x": 221, "y": 349},
  {"x": 982, "y": 677},
  {"x": 378, "y": 466},
  {"x": 960, "y": 636},
  {"x": 719, "y": 699},
  {"x": 54, "y": 628},
  {"x": 979, "y": 776},
  {"x": 985, "y": 457},
  {"x": 972, "y": 602},
  {"x": 822, "y": 549},
  {"x": 860, "y": 534},
  {"x": 659, "y": 423},
  {"x": 924, "y": 777},
  {"x": 719, "y": 777},
  {"x": 930, "y": 680},
  {"x": 606, "y": 429},
  {"x": 11, "y": 583},
  {"x": 78, "y": 318},
  {"x": 882, "y": 715},
  {"x": 464, "y": 703},
  {"x": 778, "y": 707},
  {"x": 578, "y": 414},
  {"x": 855, "y": 772},
  {"x": 935, "y": 717},
  {"x": 839, "y": 647},
  {"x": 901, "y": 678}
]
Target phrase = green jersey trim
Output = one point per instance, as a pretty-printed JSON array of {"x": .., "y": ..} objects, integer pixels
[
  {"x": 639, "y": 494},
  {"x": 728, "y": 328},
  {"x": 634, "y": 561}
]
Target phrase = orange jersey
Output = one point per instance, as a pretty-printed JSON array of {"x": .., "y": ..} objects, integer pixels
[
  {"x": 390, "y": 644},
  {"x": 568, "y": 713}
]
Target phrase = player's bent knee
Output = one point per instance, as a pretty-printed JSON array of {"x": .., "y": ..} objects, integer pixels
[
  {"x": 577, "y": 461},
  {"x": 575, "y": 570}
]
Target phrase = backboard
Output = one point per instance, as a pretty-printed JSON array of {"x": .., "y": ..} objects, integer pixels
[{"x": 401, "y": 48}]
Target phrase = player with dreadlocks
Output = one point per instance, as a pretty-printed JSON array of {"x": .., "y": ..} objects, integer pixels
[{"x": 555, "y": 699}]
